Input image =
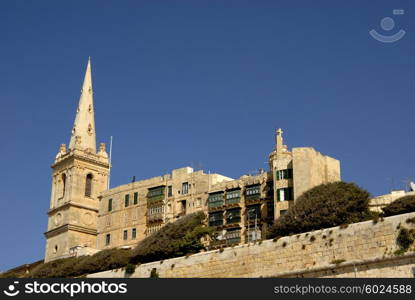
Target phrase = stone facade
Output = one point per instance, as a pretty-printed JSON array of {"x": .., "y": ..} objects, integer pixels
[
  {"x": 365, "y": 249},
  {"x": 130, "y": 212}
]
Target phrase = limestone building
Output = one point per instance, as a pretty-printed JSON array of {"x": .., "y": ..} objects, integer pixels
[{"x": 85, "y": 216}]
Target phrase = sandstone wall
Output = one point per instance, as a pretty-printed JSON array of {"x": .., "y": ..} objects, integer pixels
[
  {"x": 366, "y": 249},
  {"x": 311, "y": 168}
]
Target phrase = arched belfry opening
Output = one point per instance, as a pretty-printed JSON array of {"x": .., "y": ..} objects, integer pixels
[
  {"x": 63, "y": 184},
  {"x": 88, "y": 185}
]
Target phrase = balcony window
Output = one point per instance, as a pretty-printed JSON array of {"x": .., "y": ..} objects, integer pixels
[
  {"x": 215, "y": 200},
  {"x": 285, "y": 194},
  {"x": 216, "y": 219},
  {"x": 284, "y": 174},
  {"x": 253, "y": 234},
  {"x": 233, "y": 216},
  {"x": 156, "y": 193},
  {"x": 254, "y": 213},
  {"x": 252, "y": 192},
  {"x": 233, "y": 196},
  {"x": 233, "y": 236}
]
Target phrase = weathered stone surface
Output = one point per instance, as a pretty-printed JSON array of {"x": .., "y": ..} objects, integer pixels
[{"x": 364, "y": 254}]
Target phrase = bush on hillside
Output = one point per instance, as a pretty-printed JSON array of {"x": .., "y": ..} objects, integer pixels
[
  {"x": 326, "y": 205},
  {"x": 174, "y": 239},
  {"x": 77, "y": 266},
  {"x": 405, "y": 204}
]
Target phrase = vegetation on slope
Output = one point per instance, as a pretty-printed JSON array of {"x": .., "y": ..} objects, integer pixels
[
  {"x": 179, "y": 238},
  {"x": 401, "y": 205},
  {"x": 324, "y": 206}
]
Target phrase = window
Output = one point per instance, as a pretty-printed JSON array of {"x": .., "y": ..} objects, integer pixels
[
  {"x": 233, "y": 196},
  {"x": 107, "y": 239},
  {"x": 135, "y": 197},
  {"x": 156, "y": 193},
  {"x": 155, "y": 210},
  {"x": 233, "y": 216},
  {"x": 125, "y": 235},
  {"x": 88, "y": 185},
  {"x": 283, "y": 212},
  {"x": 233, "y": 236},
  {"x": 170, "y": 191},
  {"x": 285, "y": 194},
  {"x": 216, "y": 219},
  {"x": 284, "y": 174},
  {"x": 109, "y": 204},
  {"x": 127, "y": 200},
  {"x": 254, "y": 212},
  {"x": 185, "y": 188},
  {"x": 134, "y": 234},
  {"x": 252, "y": 190},
  {"x": 215, "y": 199}
]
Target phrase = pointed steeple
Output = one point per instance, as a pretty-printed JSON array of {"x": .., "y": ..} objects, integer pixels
[{"x": 83, "y": 132}]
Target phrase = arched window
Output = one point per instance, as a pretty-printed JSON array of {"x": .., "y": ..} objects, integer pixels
[
  {"x": 63, "y": 184},
  {"x": 88, "y": 185}
]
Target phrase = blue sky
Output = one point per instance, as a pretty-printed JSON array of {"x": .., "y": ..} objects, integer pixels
[{"x": 200, "y": 82}]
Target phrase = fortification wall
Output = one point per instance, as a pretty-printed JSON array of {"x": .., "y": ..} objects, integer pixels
[{"x": 365, "y": 249}]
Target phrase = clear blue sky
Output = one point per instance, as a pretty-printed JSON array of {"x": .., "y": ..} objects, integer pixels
[{"x": 202, "y": 82}]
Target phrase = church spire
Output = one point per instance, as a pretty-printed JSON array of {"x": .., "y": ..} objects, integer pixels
[{"x": 83, "y": 132}]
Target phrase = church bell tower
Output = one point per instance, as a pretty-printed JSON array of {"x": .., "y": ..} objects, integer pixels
[{"x": 79, "y": 175}]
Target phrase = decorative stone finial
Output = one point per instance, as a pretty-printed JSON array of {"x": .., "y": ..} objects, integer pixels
[
  {"x": 62, "y": 151},
  {"x": 102, "y": 150}
]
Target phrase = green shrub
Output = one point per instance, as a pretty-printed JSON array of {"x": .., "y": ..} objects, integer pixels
[
  {"x": 174, "y": 239},
  {"x": 337, "y": 261},
  {"x": 324, "y": 206},
  {"x": 401, "y": 205},
  {"x": 154, "y": 273},
  {"x": 77, "y": 266},
  {"x": 405, "y": 239},
  {"x": 130, "y": 268}
]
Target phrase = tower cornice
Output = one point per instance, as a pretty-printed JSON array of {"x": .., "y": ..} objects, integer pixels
[
  {"x": 84, "y": 156},
  {"x": 71, "y": 204},
  {"x": 70, "y": 227}
]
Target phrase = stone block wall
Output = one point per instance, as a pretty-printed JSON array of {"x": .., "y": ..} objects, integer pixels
[{"x": 365, "y": 249}]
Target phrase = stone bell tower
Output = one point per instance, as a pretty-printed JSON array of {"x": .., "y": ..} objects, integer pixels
[{"x": 79, "y": 174}]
